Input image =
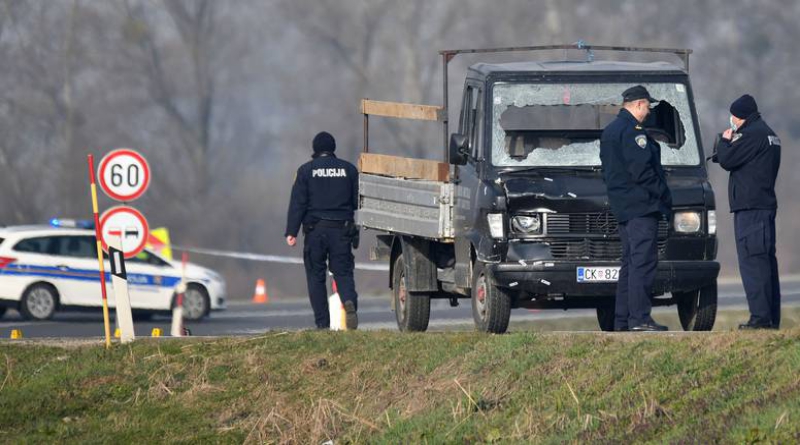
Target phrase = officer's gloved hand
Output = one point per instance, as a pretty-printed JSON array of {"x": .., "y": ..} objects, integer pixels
[
  {"x": 717, "y": 141},
  {"x": 354, "y": 233}
]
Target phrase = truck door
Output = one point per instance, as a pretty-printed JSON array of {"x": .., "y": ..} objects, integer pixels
[{"x": 465, "y": 214}]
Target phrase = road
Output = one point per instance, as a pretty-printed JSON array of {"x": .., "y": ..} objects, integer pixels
[{"x": 244, "y": 318}]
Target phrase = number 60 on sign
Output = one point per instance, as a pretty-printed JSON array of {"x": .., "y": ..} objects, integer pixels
[{"x": 124, "y": 175}]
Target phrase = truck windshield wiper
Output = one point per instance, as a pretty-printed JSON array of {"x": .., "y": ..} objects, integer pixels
[{"x": 544, "y": 170}]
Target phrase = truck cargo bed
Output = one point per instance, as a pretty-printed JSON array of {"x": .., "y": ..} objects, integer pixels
[{"x": 407, "y": 206}]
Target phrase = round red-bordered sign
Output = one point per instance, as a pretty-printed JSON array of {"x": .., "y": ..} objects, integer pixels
[
  {"x": 127, "y": 223},
  {"x": 124, "y": 174}
]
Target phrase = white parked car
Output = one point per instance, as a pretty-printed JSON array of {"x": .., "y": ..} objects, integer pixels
[{"x": 44, "y": 269}]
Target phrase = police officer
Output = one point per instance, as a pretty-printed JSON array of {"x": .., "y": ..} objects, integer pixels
[
  {"x": 324, "y": 198},
  {"x": 751, "y": 152},
  {"x": 638, "y": 193}
]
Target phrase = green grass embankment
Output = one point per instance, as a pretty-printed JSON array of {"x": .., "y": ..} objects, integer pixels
[{"x": 386, "y": 387}]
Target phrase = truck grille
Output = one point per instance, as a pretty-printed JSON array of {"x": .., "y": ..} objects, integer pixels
[
  {"x": 595, "y": 249},
  {"x": 583, "y": 230},
  {"x": 599, "y": 223}
]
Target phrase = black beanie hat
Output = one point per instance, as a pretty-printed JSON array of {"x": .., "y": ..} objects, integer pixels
[
  {"x": 323, "y": 141},
  {"x": 744, "y": 106}
]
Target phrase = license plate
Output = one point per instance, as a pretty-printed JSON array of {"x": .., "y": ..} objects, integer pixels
[{"x": 598, "y": 274}]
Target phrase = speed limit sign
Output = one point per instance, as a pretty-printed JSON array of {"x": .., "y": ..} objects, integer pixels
[{"x": 124, "y": 175}]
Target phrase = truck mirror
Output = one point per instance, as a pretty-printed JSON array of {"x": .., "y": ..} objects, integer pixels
[{"x": 458, "y": 149}]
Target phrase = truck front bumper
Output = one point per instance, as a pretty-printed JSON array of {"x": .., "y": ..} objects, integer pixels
[{"x": 552, "y": 278}]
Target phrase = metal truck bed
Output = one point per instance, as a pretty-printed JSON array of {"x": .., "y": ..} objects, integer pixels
[{"x": 407, "y": 206}]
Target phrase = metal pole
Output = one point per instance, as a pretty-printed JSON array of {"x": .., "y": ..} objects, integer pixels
[
  {"x": 98, "y": 237},
  {"x": 445, "y": 111},
  {"x": 366, "y": 133}
]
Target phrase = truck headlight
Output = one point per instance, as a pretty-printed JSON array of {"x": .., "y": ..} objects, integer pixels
[
  {"x": 687, "y": 222},
  {"x": 495, "y": 224},
  {"x": 527, "y": 224},
  {"x": 712, "y": 222}
]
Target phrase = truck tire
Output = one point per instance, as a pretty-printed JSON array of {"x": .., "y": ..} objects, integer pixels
[
  {"x": 491, "y": 305},
  {"x": 697, "y": 309},
  {"x": 39, "y": 302},
  {"x": 411, "y": 309},
  {"x": 605, "y": 318}
]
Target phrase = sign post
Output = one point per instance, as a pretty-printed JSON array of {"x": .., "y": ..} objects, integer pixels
[
  {"x": 120, "y": 280},
  {"x": 124, "y": 175},
  {"x": 93, "y": 187}
]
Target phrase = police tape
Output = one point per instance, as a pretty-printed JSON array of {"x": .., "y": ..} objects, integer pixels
[{"x": 269, "y": 258}]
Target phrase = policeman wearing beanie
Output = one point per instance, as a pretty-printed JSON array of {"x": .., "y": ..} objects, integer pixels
[
  {"x": 324, "y": 199},
  {"x": 638, "y": 194},
  {"x": 751, "y": 152}
]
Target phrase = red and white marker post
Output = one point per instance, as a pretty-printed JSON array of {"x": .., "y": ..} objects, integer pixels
[
  {"x": 177, "y": 311},
  {"x": 93, "y": 187}
]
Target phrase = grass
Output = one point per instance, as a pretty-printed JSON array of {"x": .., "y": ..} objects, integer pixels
[
  {"x": 386, "y": 387},
  {"x": 726, "y": 320}
]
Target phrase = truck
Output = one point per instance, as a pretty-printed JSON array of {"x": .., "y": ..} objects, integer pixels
[{"x": 517, "y": 214}]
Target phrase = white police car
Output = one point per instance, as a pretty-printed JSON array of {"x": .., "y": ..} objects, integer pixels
[{"x": 44, "y": 269}]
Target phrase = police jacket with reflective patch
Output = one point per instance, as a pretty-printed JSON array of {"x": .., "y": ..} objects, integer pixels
[
  {"x": 752, "y": 156},
  {"x": 324, "y": 188},
  {"x": 632, "y": 170}
]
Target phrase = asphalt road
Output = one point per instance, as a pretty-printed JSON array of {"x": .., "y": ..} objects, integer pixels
[{"x": 244, "y": 318}]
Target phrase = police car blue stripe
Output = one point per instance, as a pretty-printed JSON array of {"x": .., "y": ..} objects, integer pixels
[{"x": 86, "y": 275}]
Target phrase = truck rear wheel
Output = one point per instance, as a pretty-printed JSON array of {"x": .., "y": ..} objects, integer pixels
[
  {"x": 412, "y": 309},
  {"x": 697, "y": 309},
  {"x": 491, "y": 305}
]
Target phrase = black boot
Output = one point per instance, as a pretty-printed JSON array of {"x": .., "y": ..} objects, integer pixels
[
  {"x": 650, "y": 326},
  {"x": 351, "y": 318},
  {"x": 753, "y": 326}
]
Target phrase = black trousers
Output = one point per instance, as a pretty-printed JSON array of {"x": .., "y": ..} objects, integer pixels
[
  {"x": 328, "y": 247},
  {"x": 755, "y": 246},
  {"x": 639, "y": 263}
]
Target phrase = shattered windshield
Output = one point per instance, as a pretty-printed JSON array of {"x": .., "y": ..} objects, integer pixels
[{"x": 557, "y": 125}]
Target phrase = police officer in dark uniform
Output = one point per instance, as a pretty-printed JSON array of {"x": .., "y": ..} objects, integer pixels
[
  {"x": 638, "y": 193},
  {"x": 324, "y": 199},
  {"x": 751, "y": 152}
]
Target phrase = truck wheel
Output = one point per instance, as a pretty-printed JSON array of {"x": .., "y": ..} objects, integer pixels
[
  {"x": 605, "y": 318},
  {"x": 491, "y": 305},
  {"x": 412, "y": 310},
  {"x": 39, "y": 302},
  {"x": 697, "y": 309}
]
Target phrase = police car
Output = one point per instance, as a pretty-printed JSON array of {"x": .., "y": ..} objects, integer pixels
[{"x": 44, "y": 269}]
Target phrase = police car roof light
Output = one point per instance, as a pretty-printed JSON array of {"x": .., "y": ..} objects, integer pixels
[{"x": 72, "y": 223}]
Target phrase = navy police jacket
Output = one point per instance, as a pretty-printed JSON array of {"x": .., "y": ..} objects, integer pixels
[
  {"x": 324, "y": 188},
  {"x": 752, "y": 156},
  {"x": 632, "y": 170}
]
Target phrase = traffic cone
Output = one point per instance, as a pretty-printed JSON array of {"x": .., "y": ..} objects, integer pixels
[
  {"x": 260, "y": 296},
  {"x": 336, "y": 312}
]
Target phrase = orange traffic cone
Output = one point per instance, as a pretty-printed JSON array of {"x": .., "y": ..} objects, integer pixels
[{"x": 260, "y": 296}]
